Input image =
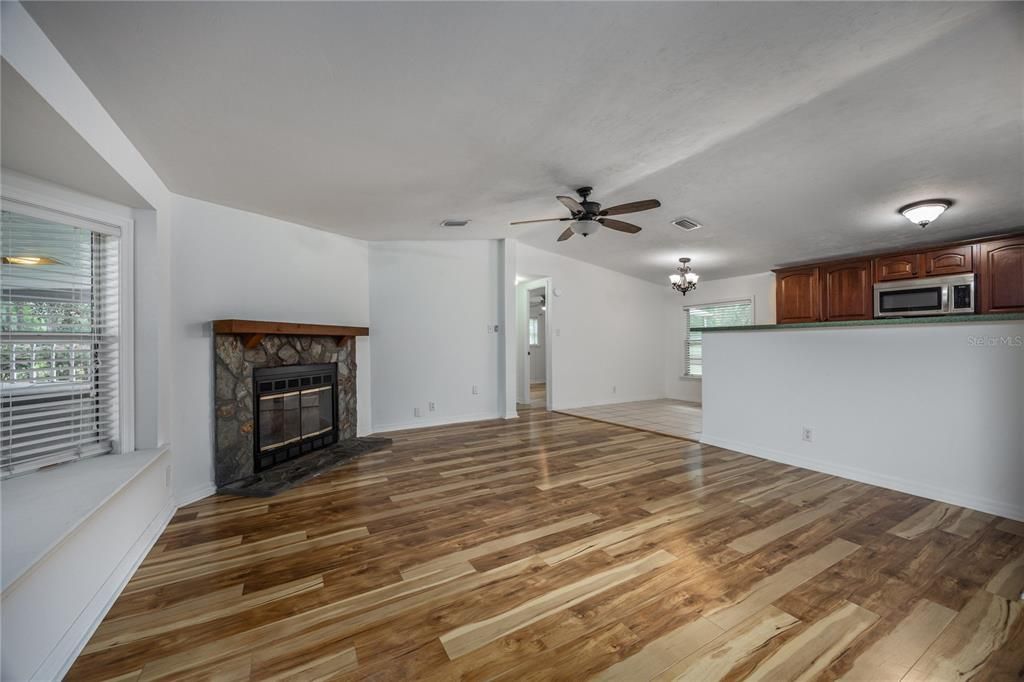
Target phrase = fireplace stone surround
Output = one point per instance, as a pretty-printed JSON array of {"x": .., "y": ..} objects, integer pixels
[{"x": 234, "y": 363}]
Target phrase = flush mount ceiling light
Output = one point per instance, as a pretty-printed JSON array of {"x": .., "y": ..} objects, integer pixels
[
  {"x": 921, "y": 213},
  {"x": 29, "y": 260},
  {"x": 684, "y": 279}
]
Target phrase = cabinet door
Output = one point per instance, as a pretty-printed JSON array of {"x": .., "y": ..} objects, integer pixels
[
  {"x": 797, "y": 295},
  {"x": 1001, "y": 276},
  {"x": 953, "y": 260},
  {"x": 905, "y": 266},
  {"x": 847, "y": 293}
]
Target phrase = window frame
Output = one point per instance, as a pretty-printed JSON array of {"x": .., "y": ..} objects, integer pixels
[
  {"x": 78, "y": 212},
  {"x": 533, "y": 332},
  {"x": 684, "y": 367}
]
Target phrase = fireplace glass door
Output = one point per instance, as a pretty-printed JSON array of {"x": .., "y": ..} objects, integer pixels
[
  {"x": 316, "y": 410},
  {"x": 296, "y": 411},
  {"x": 279, "y": 420}
]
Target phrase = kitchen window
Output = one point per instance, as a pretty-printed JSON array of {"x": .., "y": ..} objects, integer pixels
[
  {"x": 61, "y": 338},
  {"x": 701, "y": 317}
]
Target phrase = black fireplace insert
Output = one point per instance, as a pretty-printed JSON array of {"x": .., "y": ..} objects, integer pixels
[{"x": 295, "y": 411}]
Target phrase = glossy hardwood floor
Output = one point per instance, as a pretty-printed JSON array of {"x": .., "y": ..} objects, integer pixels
[{"x": 554, "y": 547}]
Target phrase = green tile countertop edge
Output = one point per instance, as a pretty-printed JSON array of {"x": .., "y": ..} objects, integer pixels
[{"x": 940, "y": 319}]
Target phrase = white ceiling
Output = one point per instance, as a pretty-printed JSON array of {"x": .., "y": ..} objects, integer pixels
[
  {"x": 791, "y": 130},
  {"x": 36, "y": 141}
]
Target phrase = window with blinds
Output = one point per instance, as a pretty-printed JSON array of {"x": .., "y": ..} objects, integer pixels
[
  {"x": 701, "y": 317},
  {"x": 59, "y": 333}
]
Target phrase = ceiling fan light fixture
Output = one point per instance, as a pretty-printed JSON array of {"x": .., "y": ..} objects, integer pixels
[
  {"x": 586, "y": 217},
  {"x": 585, "y": 228},
  {"x": 922, "y": 213}
]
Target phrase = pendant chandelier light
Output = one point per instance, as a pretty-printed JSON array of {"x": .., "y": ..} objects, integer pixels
[{"x": 684, "y": 279}]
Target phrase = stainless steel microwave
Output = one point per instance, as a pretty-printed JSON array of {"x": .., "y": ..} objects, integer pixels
[{"x": 953, "y": 295}]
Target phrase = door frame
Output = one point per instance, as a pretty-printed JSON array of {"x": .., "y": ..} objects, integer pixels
[{"x": 523, "y": 369}]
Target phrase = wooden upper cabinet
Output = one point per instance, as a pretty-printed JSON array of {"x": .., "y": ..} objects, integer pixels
[
  {"x": 798, "y": 295},
  {"x": 847, "y": 291},
  {"x": 952, "y": 260},
  {"x": 844, "y": 289},
  {"x": 1001, "y": 276},
  {"x": 904, "y": 266}
]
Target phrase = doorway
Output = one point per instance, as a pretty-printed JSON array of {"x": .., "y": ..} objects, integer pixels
[
  {"x": 536, "y": 339},
  {"x": 533, "y": 318}
]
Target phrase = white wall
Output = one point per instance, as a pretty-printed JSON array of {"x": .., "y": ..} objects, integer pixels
[
  {"x": 605, "y": 329},
  {"x": 924, "y": 409},
  {"x": 430, "y": 307},
  {"x": 234, "y": 264},
  {"x": 760, "y": 288}
]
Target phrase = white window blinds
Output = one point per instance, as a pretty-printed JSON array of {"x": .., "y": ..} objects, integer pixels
[
  {"x": 59, "y": 334},
  {"x": 701, "y": 317}
]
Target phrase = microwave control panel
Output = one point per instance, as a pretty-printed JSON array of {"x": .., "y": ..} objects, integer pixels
[{"x": 962, "y": 297}]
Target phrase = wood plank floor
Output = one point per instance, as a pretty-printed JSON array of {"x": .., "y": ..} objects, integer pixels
[
  {"x": 666, "y": 416},
  {"x": 554, "y": 547}
]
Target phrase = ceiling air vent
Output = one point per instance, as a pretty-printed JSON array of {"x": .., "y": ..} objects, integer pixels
[
  {"x": 687, "y": 224},
  {"x": 454, "y": 222}
]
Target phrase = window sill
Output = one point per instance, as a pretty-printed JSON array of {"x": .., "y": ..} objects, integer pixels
[
  {"x": 41, "y": 509},
  {"x": 690, "y": 378}
]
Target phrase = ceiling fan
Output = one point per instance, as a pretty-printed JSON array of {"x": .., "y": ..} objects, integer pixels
[{"x": 587, "y": 216}]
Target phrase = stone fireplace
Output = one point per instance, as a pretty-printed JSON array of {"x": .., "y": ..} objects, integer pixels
[{"x": 281, "y": 393}]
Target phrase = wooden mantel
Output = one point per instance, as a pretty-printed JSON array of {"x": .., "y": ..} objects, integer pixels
[{"x": 253, "y": 331}]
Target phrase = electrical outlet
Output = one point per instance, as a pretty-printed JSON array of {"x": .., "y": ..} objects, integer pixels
[
  {"x": 476, "y": 390},
  {"x": 808, "y": 435},
  {"x": 431, "y": 406},
  {"x": 417, "y": 412}
]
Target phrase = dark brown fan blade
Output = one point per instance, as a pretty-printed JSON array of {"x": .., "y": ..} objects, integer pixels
[
  {"x": 632, "y": 207},
  {"x": 566, "y": 234},
  {"x": 571, "y": 204},
  {"x": 619, "y": 225},
  {"x": 542, "y": 220}
]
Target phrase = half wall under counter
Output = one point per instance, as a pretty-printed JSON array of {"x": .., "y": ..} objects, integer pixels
[{"x": 930, "y": 406}]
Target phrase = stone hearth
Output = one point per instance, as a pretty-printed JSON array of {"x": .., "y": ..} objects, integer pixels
[{"x": 233, "y": 399}]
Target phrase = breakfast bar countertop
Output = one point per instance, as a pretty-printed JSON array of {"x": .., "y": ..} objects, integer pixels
[{"x": 938, "y": 319}]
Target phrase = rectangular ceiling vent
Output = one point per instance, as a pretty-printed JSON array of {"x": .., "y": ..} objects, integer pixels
[
  {"x": 687, "y": 224},
  {"x": 454, "y": 222}
]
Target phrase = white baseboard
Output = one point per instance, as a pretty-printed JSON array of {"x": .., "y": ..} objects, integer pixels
[
  {"x": 195, "y": 494},
  {"x": 435, "y": 421},
  {"x": 59, "y": 661},
  {"x": 902, "y": 485}
]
